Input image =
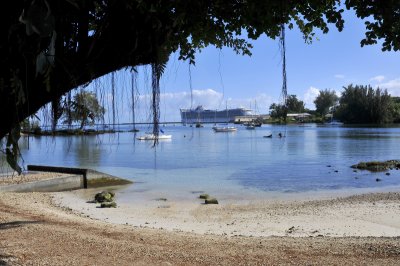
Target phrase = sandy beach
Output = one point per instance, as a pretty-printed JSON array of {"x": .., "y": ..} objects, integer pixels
[{"x": 62, "y": 228}]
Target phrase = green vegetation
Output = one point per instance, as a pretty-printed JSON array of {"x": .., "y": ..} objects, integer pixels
[
  {"x": 294, "y": 105},
  {"x": 325, "y": 100},
  {"x": 364, "y": 105},
  {"x": 211, "y": 201},
  {"x": 279, "y": 111},
  {"x": 204, "y": 196},
  {"x": 106, "y": 181},
  {"x": 358, "y": 104},
  {"x": 112, "y": 204},
  {"x": 85, "y": 109},
  {"x": 376, "y": 166},
  {"x": 104, "y": 196},
  {"x": 49, "y": 48}
]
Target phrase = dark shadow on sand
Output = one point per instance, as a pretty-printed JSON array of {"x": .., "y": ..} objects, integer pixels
[{"x": 9, "y": 225}]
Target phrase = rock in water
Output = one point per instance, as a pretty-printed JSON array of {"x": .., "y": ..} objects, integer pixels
[
  {"x": 204, "y": 196},
  {"x": 104, "y": 196},
  {"x": 211, "y": 201},
  {"x": 108, "y": 205}
]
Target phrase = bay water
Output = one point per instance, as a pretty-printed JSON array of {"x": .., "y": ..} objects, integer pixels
[{"x": 309, "y": 158}]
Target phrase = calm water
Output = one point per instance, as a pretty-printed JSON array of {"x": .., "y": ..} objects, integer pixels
[{"x": 309, "y": 158}]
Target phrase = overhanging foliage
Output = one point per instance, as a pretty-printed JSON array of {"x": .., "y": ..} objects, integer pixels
[{"x": 49, "y": 47}]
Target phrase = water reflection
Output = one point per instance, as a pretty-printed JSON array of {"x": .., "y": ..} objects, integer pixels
[{"x": 297, "y": 161}]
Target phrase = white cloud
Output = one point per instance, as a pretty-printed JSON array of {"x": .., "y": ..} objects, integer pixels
[
  {"x": 259, "y": 104},
  {"x": 339, "y": 76},
  {"x": 393, "y": 86},
  {"x": 309, "y": 97},
  {"x": 379, "y": 78}
]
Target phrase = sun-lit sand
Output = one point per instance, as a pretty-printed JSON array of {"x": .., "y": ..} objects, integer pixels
[
  {"x": 64, "y": 228},
  {"x": 375, "y": 215}
]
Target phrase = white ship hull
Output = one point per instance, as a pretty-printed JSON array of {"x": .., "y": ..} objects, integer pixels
[{"x": 201, "y": 115}]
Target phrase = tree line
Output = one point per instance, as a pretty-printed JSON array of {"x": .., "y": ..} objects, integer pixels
[
  {"x": 358, "y": 104},
  {"x": 83, "y": 109}
]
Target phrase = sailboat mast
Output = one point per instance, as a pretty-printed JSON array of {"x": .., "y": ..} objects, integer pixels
[{"x": 227, "y": 116}]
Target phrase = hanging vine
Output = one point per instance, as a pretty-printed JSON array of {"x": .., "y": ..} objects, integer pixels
[
  {"x": 133, "y": 86},
  {"x": 157, "y": 69},
  {"x": 155, "y": 104},
  {"x": 282, "y": 46},
  {"x": 113, "y": 98},
  {"x": 56, "y": 112}
]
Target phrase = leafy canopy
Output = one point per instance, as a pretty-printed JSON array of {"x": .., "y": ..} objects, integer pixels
[
  {"x": 364, "y": 105},
  {"x": 85, "y": 109},
  {"x": 48, "y": 48},
  {"x": 325, "y": 100}
]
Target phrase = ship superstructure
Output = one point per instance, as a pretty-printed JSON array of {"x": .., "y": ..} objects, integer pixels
[{"x": 201, "y": 115}]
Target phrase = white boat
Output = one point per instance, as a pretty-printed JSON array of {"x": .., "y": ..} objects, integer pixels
[
  {"x": 224, "y": 129},
  {"x": 153, "y": 137},
  {"x": 250, "y": 126},
  {"x": 334, "y": 123}
]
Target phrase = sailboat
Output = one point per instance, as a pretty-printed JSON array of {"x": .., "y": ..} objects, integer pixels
[
  {"x": 257, "y": 122},
  {"x": 224, "y": 128},
  {"x": 151, "y": 136},
  {"x": 333, "y": 122},
  {"x": 250, "y": 126}
]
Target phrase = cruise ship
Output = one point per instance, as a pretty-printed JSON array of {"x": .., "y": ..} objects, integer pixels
[{"x": 201, "y": 115}]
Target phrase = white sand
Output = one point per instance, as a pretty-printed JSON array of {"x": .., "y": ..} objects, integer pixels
[{"x": 364, "y": 215}]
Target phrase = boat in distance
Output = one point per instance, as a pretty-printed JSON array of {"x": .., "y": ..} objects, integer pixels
[
  {"x": 153, "y": 137},
  {"x": 224, "y": 129},
  {"x": 201, "y": 115}
]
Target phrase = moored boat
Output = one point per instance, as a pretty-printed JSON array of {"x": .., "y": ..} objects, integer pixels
[
  {"x": 224, "y": 129},
  {"x": 153, "y": 137}
]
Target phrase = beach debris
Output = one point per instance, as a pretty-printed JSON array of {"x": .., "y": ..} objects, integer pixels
[
  {"x": 211, "y": 201},
  {"x": 377, "y": 166},
  {"x": 164, "y": 206},
  {"x": 161, "y": 199},
  {"x": 108, "y": 205},
  {"x": 290, "y": 230},
  {"x": 387, "y": 174},
  {"x": 204, "y": 196},
  {"x": 104, "y": 196}
]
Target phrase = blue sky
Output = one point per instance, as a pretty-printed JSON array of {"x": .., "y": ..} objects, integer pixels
[{"x": 221, "y": 77}]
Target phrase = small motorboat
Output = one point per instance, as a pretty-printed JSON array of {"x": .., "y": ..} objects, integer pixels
[{"x": 268, "y": 136}]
